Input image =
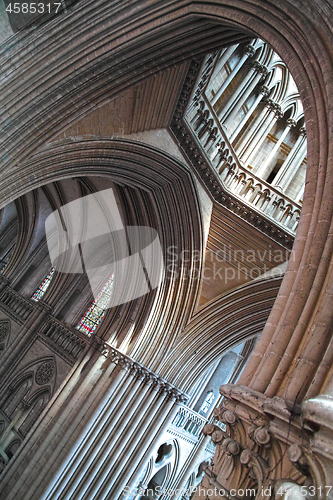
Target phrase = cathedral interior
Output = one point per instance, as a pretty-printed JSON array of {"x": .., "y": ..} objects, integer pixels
[{"x": 184, "y": 351}]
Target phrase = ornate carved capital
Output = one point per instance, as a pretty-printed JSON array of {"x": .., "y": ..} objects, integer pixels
[
  {"x": 264, "y": 90},
  {"x": 291, "y": 123},
  {"x": 249, "y": 50},
  {"x": 260, "y": 68}
]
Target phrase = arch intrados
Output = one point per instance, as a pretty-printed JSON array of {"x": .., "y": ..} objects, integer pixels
[
  {"x": 265, "y": 21},
  {"x": 301, "y": 36},
  {"x": 144, "y": 168}
]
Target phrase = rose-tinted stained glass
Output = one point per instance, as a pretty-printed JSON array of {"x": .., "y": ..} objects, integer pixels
[
  {"x": 44, "y": 286},
  {"x": 94, "y": 315}
]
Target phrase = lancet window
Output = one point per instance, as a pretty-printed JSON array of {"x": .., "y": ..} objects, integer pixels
[
  {"x": 96, "y": 312},
  {"x": 39, "y": 293}
]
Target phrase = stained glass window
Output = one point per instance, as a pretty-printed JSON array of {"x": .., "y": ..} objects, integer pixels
[
  {"x": 94, "y": 315},
  {"x": 4, "y": 261},
  {"x": 44, "y": 286}
]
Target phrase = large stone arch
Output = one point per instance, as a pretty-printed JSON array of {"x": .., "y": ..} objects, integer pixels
[
  {"x": 174, "y": 205},
  {"x": 54, "y": 80}
]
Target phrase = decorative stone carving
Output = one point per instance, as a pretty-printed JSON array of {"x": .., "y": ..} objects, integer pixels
[
  {"x": 260, "y": 68},
  {"x": 291, "y": 122},
  {"x": 249, "y": 50},
  {"x": 142, "y": 373},
  {"x": 297, "y": 458},
  {"x": 259, "y": 434},
  {"x": 231, "y": 447},
  {"x": 261, "y": 449},
  {"x": 264, "y": 90},
  {"x": 45, "y": 372}
]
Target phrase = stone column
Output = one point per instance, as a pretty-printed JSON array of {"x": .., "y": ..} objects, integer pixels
[
  {"x": 253, "y": 129},
  {"x": 257, "y": 73},
  {"x": 99, "y": 436},
  {"x": 274, "y": 113},
  {"x": 248, "y": 52},
  {"x": 263, "y": 92},
  {"x": 223, "y": 59},
  {"x": 262, "y": 169},
  {"x": 150, "y": 442},
  {"x": 291, "y": 163}
]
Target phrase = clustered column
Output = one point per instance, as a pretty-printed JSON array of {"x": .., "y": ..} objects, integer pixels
[
  {"x": 263, "y": 92},
  {"x": 102, "y": 461},
  {"x": 230, "y": 111},
  {"x": 259, "y": 130}
]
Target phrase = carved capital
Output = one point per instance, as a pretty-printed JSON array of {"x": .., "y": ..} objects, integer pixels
[
  {"x": 264, "y": 90},
  {"x": 298, "y": 459},
  {"x": 249, "y": 50},
  {"x": 291, "y": 123},
  {"x": 260, "y": 68}
]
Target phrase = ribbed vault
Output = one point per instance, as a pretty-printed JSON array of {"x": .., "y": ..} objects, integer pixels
[
  {"x": 51, "y": 78},
  {"x": 231, "y": 319},
  {"x": 173, "y": 206}
]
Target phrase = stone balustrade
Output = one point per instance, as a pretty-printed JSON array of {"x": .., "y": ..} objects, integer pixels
[
  {"x": 233, "y": 177},
  {"x": 15, "y": 305},
  {"x": 64, "y": 341},
  {"x": 67, "y": 343}
]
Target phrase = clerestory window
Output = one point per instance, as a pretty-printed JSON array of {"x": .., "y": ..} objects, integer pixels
[
  {"x": 96, "y": 312},
  {"x": 39, "y": 293}
]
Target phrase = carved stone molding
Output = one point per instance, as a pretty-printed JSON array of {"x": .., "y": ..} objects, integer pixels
[
  {"x": 45, "y": 372},
  {"x": 142, "y": 373},
  {"x": 264, "y": 448}
]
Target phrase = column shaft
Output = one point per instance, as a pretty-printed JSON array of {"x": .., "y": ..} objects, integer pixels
[
  {"x": 289, "y": 161},
  {"x": 261, "y": 171},
  {"x": 249, "y": 51},
  {"x": 263, "y": 91},
  {"x": 259, "y": 139},
  {"x": 250, "y": 82}
]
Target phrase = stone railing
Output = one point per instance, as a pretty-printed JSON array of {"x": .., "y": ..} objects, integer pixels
[
  {"x": 233, "y": 177},
  {"x": 65, "y": 342},
  {"x": 189, "y": 421},
  {"x": 15, "y": 305}
]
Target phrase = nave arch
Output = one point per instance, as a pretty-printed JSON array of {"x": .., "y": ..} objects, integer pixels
[{"x": 91, "y": 75}]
